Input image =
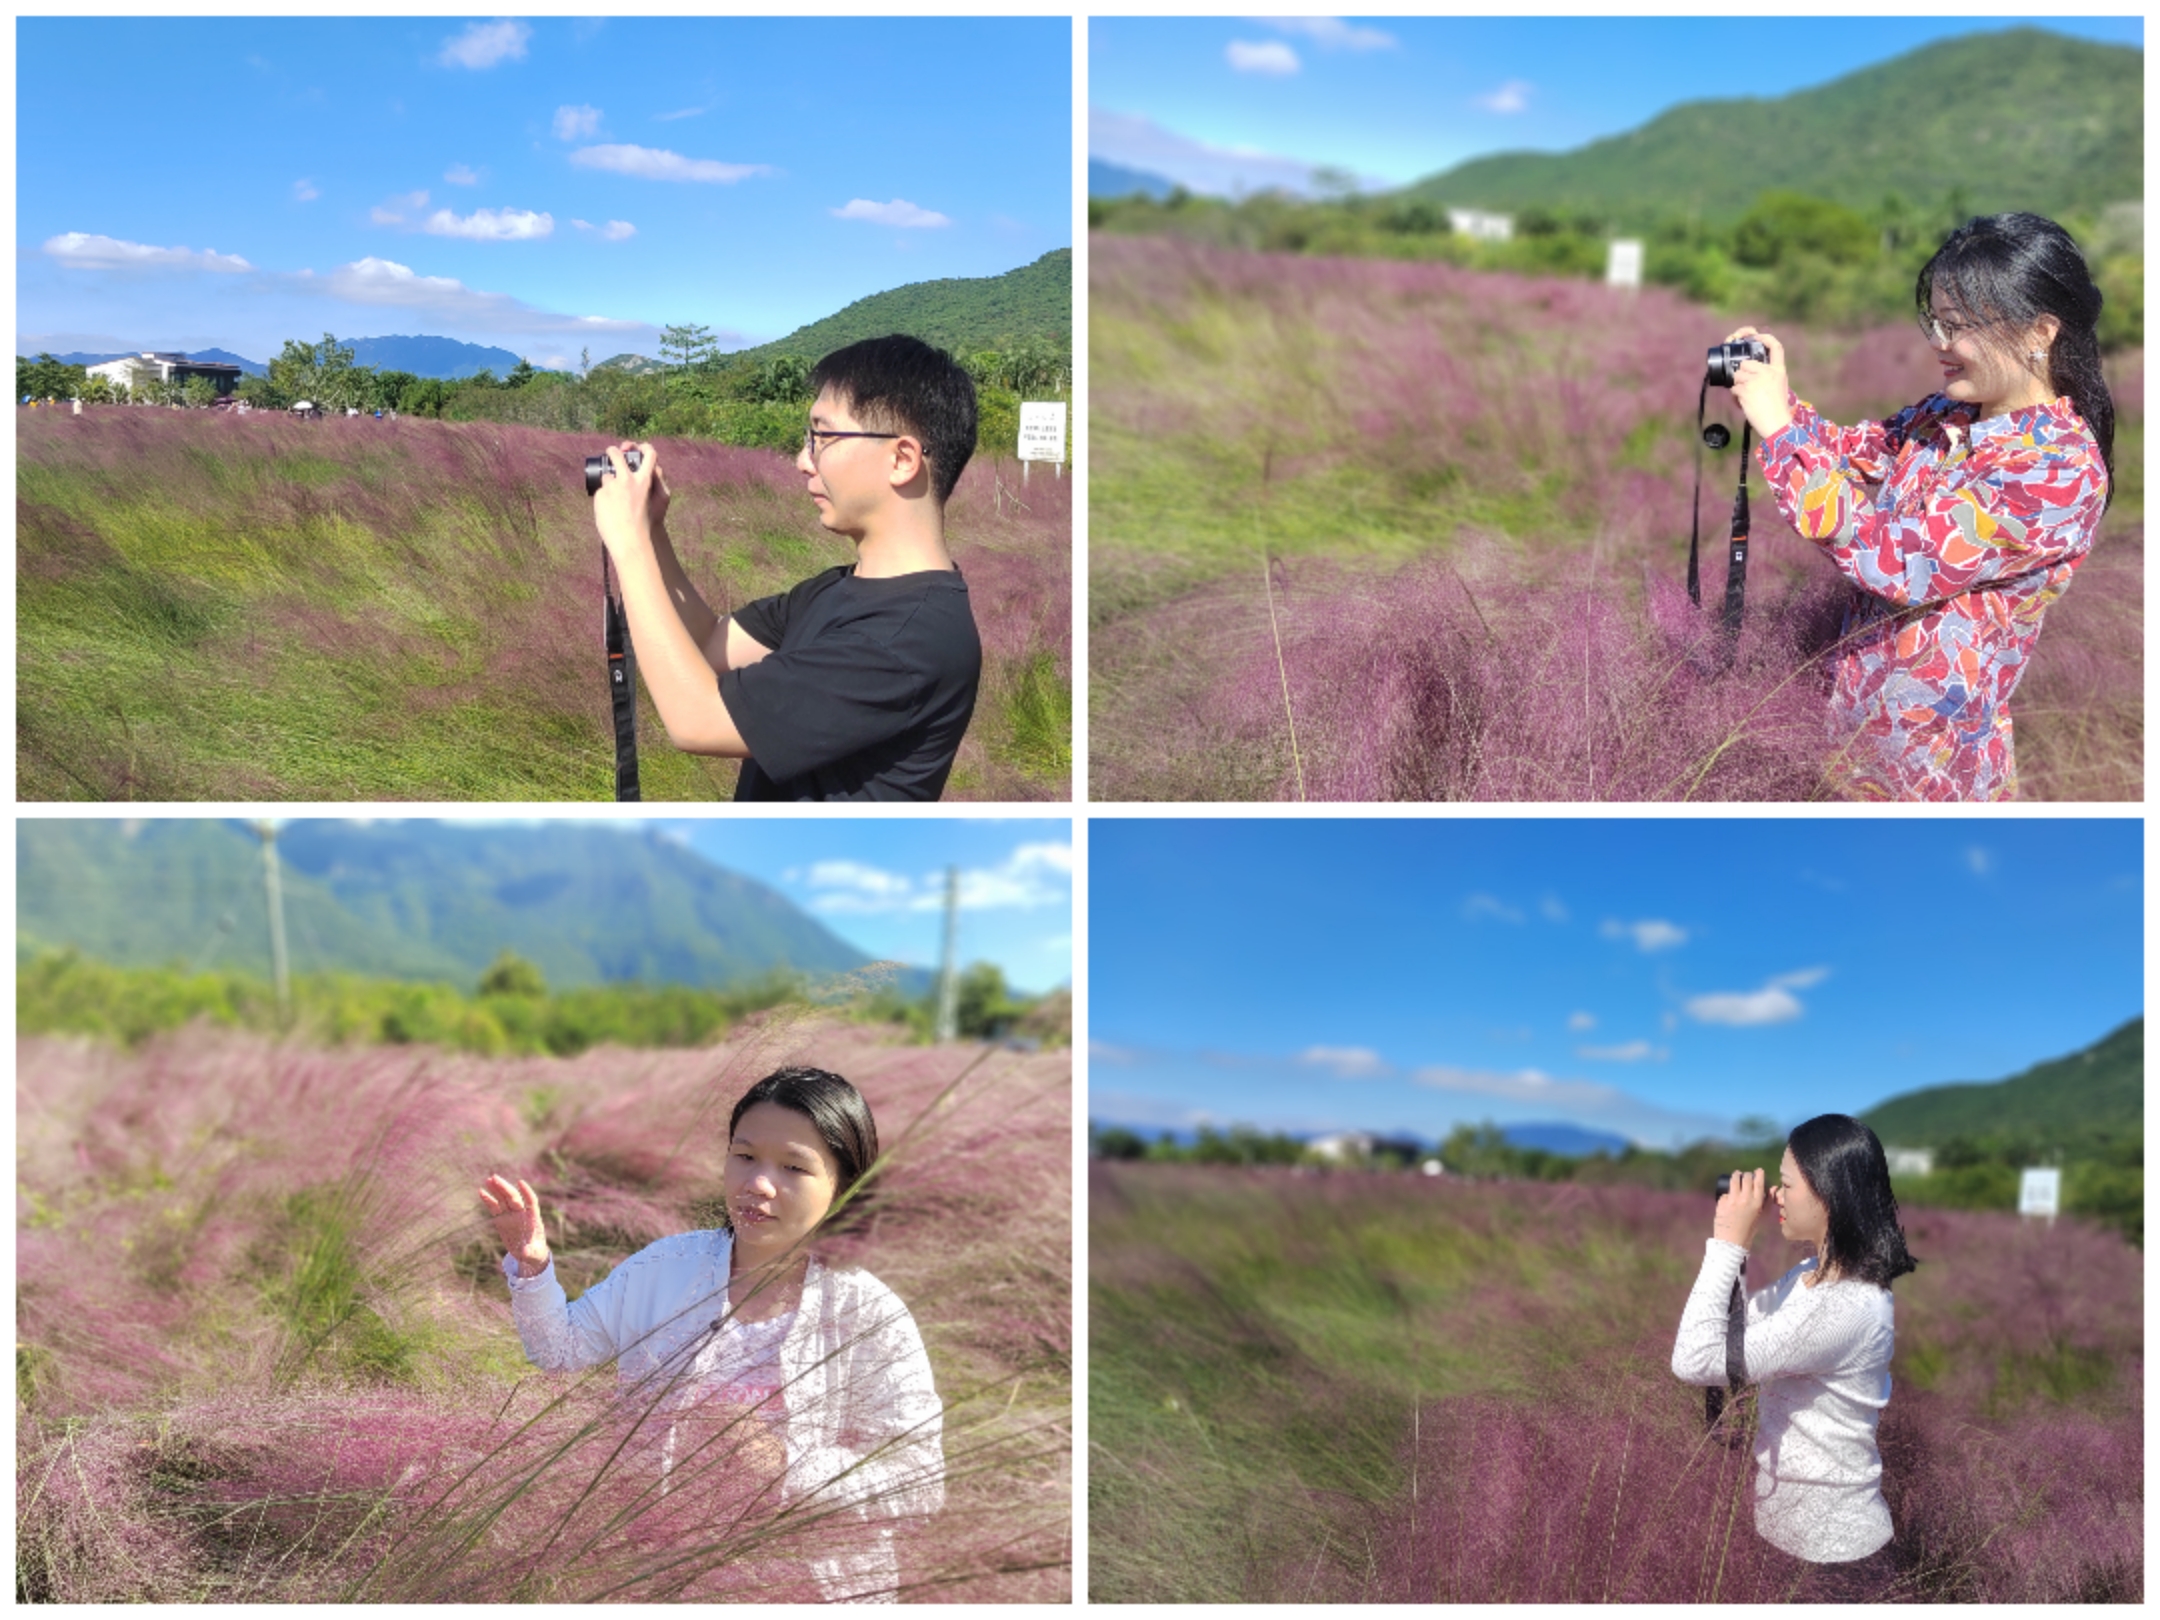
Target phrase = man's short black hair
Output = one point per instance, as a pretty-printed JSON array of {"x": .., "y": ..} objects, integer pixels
[{"x": 902, "y": 385}]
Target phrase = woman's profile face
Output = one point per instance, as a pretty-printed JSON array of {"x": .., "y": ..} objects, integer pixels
[
  {"x": 1981, "y": 363},
  {"x": 1802, "y": 1217},
  {"x": 781, "y": 1179}
]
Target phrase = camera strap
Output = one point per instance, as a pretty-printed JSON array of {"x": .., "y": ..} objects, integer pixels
[
  {"x": 622, "y": 683},
  {"x": 1735, "y": 1353},
  {"x": 1717, "y": 437}
]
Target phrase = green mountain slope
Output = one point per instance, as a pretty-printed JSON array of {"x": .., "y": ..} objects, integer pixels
[
  {"x": 961, "y": 314},
  {"x": 2098, "y": 1090},
  {"x": 419, "y": 900},
  {"x": 2017, "y": 119}
]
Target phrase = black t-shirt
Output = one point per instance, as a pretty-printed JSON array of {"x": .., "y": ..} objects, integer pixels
[{"x": 866, "y": 692}]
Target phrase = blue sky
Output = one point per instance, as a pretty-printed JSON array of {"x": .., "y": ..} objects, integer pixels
[
  {"x": 1224, "y": 104},
  {"x": 541, "y": 186},
  {"x": 880, "y": 884},
  {"x": 1658, "y": 979}
]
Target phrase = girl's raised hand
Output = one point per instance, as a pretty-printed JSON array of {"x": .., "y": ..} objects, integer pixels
[
  {"x": 515, "y": 1209},
  {"x": 1762, "y": 391},
  {"x": 1739, "y": 1207}
]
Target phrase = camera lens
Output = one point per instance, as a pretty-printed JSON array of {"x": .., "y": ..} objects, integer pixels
[
  {"x": 599, "y": 467},
  {"x": 1724, "y": 1185}
]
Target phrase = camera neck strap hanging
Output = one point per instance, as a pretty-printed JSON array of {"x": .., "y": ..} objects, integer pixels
[
  {"x": 622, "y": 682},
  {"x": 1717, "y": 436},
  {"x": 1735, "y": 1353}
]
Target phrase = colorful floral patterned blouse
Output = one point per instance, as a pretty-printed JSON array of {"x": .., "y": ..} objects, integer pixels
[{"x": 1959, "y": 534}]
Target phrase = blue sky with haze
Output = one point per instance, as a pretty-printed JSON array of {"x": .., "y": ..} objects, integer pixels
[
  {"x": 1229, "y": 104},
  {"x": 1657, "y": 979},
  {"x": 541, "y": 186}
]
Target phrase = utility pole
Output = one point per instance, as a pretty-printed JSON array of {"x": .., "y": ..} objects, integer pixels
[
  {"x": 948, "y": 998},
  {"x": 276, "y": 900}
]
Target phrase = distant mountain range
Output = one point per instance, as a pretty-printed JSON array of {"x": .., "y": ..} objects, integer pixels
[
  {"x": 422, "y": 356},
  {"x": 1917, "y": 126},
  {"x": 1115, "y": 180},
  {"x": 419, "y": 900}
]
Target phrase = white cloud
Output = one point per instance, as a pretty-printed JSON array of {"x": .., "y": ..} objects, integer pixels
[
  {"x": 1651, "y": 934},
  {"x": 576, "y": 123},
  {"x": 686, "y": 112},
  {"x": 1512, "y": 97},
  {"x": 385, "y": 283},
  {"x": 615, "y": 230},
  {"x": 89, "y": 252},
  {"x": 1552, "y": 910},
  {"x": 304, "y": 191},
  {"x": 1330, "y": 33},
  {"x": 1772, "y": 1004},
  {"x": 460, "y": 174},
  {"x": 1346, "y": 1062},
  {"x": 1271, "y": 57},
  {"x": 1484, "y": 905},
  {"x": 482, "y": 45},
  {"x": 1626, "y": 1052},
  {"x": 1580, "y": 1022},
  {"x": 898, "y": 212},
  {"x": 1978, "y": 860},
  {"x": 651, "y": 163},
  {"x": 1104, "y": 1052},
  {"x": 1032, "y": 875},
  {"x": 491, "y": 225},
  {"x": 1219, "y": 171}
]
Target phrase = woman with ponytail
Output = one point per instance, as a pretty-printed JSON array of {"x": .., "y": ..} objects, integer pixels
[
  {"x": 1962, "y": 517},
  {"x": 1816, "y": 1344}
]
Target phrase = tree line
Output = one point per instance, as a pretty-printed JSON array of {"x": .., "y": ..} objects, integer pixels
[
  {"x": 510, "y": 1011},
  {"x": 696, "y": 392},
  {"x": 1791, "y": 255}
]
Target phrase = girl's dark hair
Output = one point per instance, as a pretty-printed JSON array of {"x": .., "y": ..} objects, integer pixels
[
  {"x": 2013, "y": 269},
  {"x": 1844, "y": 1166},
  {"x": 836, "y": 1108}
]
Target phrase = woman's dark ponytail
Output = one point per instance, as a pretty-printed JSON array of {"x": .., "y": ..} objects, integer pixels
[{"x": 2014, "y": 268}]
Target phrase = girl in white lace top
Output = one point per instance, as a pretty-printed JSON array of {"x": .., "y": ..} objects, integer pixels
[
  {"x": 1817, "y": 1342},
  {"x": 815, "y": 1379}
]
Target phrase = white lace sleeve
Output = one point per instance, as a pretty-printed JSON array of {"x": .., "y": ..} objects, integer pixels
[
  {"x": 560, "y": 1336},
  {"x": 890, "y": 1459},
  {"x": 1699, "y": 1352}
]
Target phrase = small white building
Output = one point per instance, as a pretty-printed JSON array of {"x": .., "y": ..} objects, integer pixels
[
  {"x": 1344, "y": 1147},
  {"x": 1910, "y": 1161},
  {"x": 1482, "y": 226},
  {"x": 155, "y": 366}
]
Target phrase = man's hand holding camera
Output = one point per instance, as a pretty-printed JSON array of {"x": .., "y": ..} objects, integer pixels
[
  {"x": 1740, "y": 1206},
  {"x": 1761, "y": 390},
  {"x": 631, "y": 502}
]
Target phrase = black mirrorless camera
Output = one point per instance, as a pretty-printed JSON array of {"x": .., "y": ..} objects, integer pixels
[
  {"x": 1725, "y": 358},
  {"x": 599, "y": 467}
]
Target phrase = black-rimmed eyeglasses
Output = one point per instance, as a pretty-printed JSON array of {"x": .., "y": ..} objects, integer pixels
[{"x": 812, "y": 436}]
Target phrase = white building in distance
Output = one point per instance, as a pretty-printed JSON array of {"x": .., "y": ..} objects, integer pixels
[
  {"x": 1484, "y": 227},
  {"x": 1910, "y": 1161},
  {"x": 153, "y": 366}
]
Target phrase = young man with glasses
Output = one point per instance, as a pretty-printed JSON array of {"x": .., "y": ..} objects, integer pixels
[{"x": 859, "y": 682}]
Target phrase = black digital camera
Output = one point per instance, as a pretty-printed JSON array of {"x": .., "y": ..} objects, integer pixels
[
  {"x": 599, "y": 467},
  {"x": 1725, "y": 358}
]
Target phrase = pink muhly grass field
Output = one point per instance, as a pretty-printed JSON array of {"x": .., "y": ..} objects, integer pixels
[
  {"x": 214, "y": 606},
  {"x": 264, "y": 1351},
  {"x": 1459, "y": 502},
  {"x": 1521, "y": 1336}
]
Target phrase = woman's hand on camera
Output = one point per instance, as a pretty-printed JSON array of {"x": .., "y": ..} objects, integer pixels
[
  {"x": 1739, "y": 1208},
  {"x": 1761, "y": 389}
]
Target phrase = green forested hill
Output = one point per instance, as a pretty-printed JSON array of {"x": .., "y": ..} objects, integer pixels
[
  {"x": 961, "y": 314},
  {"x": 2013, "y": 119},
  {"x": 2100, "y": 1090}
]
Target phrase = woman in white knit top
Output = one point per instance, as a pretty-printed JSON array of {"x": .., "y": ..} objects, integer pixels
[
  {"x": 770, "y": 1378},
  {"x": 1817, "y": 1341}
]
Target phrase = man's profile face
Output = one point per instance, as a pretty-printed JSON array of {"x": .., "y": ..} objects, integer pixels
[{"x": 849, "y": 479}]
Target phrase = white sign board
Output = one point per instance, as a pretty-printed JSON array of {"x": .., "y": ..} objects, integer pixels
[
  {"x": 2039, "y": 1192},
  {"x": 1042, "y": 432},
  {"x": 1623, "y": 263}
]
